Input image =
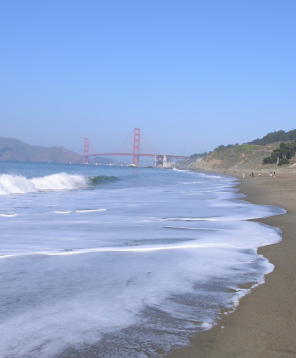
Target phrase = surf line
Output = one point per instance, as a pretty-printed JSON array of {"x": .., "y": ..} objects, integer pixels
[
  {"x": 79, "y": 211},
  {"x": 121, "y": 249}
]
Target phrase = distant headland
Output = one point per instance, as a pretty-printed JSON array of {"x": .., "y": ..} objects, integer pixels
[{"x": 16, "y": 150}]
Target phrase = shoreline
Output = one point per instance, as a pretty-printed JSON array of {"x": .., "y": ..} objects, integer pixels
[{"x": 264, "y": 323}]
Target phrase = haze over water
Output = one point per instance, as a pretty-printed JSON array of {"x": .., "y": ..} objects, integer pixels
[{"x": 121, "y": 262}]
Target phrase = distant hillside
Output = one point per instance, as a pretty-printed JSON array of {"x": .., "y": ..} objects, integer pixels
[
  {"x": 245, "y": 156},
  {"x": 272, "y": 137},
  {"x": 285, "y": 154},
  {"x": 193, "y": 160},
  {"x": 16, "y": 150}
]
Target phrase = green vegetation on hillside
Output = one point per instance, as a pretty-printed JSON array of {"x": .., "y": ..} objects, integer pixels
[
  {"x": 282, "y": 154},
  {"x": 237, "y": 156},
  {"x": 222, "y": 147},
  {"x": 251, "y": 155},
  {"x": 199, "y": 155},
  {"x": 272, "y": 137}
]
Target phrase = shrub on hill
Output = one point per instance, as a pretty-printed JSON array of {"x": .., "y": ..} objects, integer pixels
[
  {"x": 222, "y": 147},
  {"x": 284, "y": 161},
  {"x": 278, "y": 136},
  {"x": 282, "y": 154},
  {"x": 272, "y": 137},
  {"x": 199, "y": 155}
]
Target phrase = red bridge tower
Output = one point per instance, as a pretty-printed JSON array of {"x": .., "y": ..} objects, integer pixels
[
  {"x": 86, "y": 148},
  {"x": 136, "y": 147}
]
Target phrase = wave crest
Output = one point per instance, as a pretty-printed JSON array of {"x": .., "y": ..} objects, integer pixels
[{"x": 14, "y": 184}]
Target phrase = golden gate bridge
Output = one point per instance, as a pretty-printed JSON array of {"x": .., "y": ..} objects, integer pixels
[{"x": 161, "y": 160}]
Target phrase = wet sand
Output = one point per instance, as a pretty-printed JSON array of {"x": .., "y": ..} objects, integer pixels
[{"x": 264, "y": 324}]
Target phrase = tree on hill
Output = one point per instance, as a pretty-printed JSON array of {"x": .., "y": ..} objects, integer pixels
[
  {"x": 285, "y": 151},
  {"x": 272, "y": 137},
  {"x": 221, "y": 147},
  {"x": 199, "y": 155}
]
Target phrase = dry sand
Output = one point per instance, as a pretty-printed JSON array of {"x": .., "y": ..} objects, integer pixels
[{"x": 264, "y": 324}]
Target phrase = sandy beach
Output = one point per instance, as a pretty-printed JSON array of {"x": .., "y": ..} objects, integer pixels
[{"x": 264, "y": 324}]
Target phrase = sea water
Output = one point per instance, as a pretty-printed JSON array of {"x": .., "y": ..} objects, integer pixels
[{"x": 106, "y": 261}]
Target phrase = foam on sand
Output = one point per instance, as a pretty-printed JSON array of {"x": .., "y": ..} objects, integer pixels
[{"x": 135, "y": 280}]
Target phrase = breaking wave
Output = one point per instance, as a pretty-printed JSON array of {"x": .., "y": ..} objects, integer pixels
[{"x": 17, "y": 184}]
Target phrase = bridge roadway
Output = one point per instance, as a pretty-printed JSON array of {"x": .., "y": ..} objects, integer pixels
[{"x": 138, "y": 155}]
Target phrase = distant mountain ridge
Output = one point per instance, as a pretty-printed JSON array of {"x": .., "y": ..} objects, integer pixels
[{"x": 16, "y": 150}]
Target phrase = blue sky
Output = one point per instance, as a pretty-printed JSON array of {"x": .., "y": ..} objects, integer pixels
[{"x": 191, "y": 74}]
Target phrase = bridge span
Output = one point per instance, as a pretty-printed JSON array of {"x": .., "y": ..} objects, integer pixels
[{"x": 161, "y": 160}]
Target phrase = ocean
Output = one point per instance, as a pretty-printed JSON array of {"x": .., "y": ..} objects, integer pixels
[{"x": 107, "y": 261}]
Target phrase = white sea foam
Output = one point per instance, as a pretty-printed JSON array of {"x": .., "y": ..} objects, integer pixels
[
  {"x": 79, "y": 211},
  {"x": 72, "y": 277},
  {"x": 190, "y": 228},
  {"x": 8, "y": 215},
  {"x": 88, "y": 210},
  {"x": 125, "y": 249},
  {"x": 179, "y": 219},
  {"x": 189, "y": 219},
  {"x": 13, "y": 184},
  {"x": 62, "y": 212}
]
